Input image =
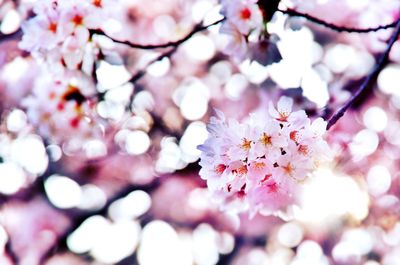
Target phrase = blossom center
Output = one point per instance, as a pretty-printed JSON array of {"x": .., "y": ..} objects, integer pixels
[
  {"x": 246, "y": 144},
  {"x": 245, "y": 13},
  {"x": 294, "y": 136},
  {"x": 283, "y": 116},
  {"x": 74, "y": 122},
  {"x": 77, "y": 20},
  {"x": 241, "y": 170},
  {"x": 53, "y": 27},
  {"x": 97, "y": 3},
  {"x": 259, "y": 165},
  {"x": 288, "y": 169},
  {"x": 303, "y": 149},
  {"x": 220, "y": 168},
  {"x": 266, "y": 139}
]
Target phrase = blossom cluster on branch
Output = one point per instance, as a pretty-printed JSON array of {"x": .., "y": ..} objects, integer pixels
[
  {"x": 259, "y": 165},
  {"x": 60, "y": 107},
  {"x": 59, "y": 32}
]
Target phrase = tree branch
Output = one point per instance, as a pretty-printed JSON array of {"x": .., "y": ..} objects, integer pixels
[
  {"x": 142, "y": 72},
  {"x": 197, "y": 28},
  {"x": 12, "y": 36},
  {"x": 10, "y": 252},
  {"x": 294, "y": 13},
  {"x": 369, "y": 80},
  {"x": 174, "y": 44}
]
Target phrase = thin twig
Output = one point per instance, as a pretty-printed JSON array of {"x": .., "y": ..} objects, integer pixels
[
  {"x": 142, "y": 72},
  {"x": 174, "y": 44},
  {"x": 369, "y": 80},
  {"x": 198, "y": 28},
  {"x": 294, "y": 13}
]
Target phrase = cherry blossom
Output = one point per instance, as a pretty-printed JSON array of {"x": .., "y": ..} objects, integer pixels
[
  {"x": 243, "y": 18},
  {"x": 60, "y": 30},
  {"x": 244, "y": 14},
  {"x": 260, "y": 164},
  {"x": 60, "y": 104}
]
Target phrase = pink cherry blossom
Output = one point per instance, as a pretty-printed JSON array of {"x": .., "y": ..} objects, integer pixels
[
  {"x": 260, "y": 164},
  {"x": 60, "y": 104},
  {"x": 41, "y": 34},
  {"x": 244, "y": 14},
  {"x": 61, "y": 29},
  {"x": 243, "y": 18}
]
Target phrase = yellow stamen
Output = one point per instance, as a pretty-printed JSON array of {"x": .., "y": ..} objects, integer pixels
[
  {"x": 265, "y": 139},
  {"x": 259, "y": 165},
  {"x": 246, "y": 144}
]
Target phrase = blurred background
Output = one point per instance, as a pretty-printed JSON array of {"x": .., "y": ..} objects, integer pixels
[{"x": 126, "y": 190}]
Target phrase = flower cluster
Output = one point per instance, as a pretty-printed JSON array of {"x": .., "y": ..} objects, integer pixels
[
  {"x": 244, "y": 21},
  {"x": 60, "y": 106},
  {"x": 60, "y": 31},
  {"x": 258, "y": 165}
]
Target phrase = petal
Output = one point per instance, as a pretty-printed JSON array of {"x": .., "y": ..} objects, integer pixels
[
  {"x": 82, "y": 35},
  {"x": 319, "y": 127},
  {"x": 272, "y": 111},
  {"x": 272, "y": 127},
  {"x": 258, "y": 149},
  {"x": 94, "y": 20},
  {"x": 279, "y": 141},
  {"x": 285, "y": 105},
  {"x": 298, "y": 119}
]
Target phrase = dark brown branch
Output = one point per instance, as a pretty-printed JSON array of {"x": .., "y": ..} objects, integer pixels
[
  {"x": 11, "y": 253},
  {"x": 143, "y": 71},
  {"x": 198, "y": 28},
  {"x": 321, "y": 22},
  {"x": 268, "y": 8},
  {"x": 12, "y": 36},
  {"x": 174, "y": 44},
  {"x": 369, "y": 80}
]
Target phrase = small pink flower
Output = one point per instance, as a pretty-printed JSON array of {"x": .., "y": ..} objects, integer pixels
[
  {"x": 283, "y": 111},
  {"x": 243, "y": 18},
  {"x": 41, "y": 33},
  {"x": 269, "y": 140},
  {"x": 245, "y": 15}
]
